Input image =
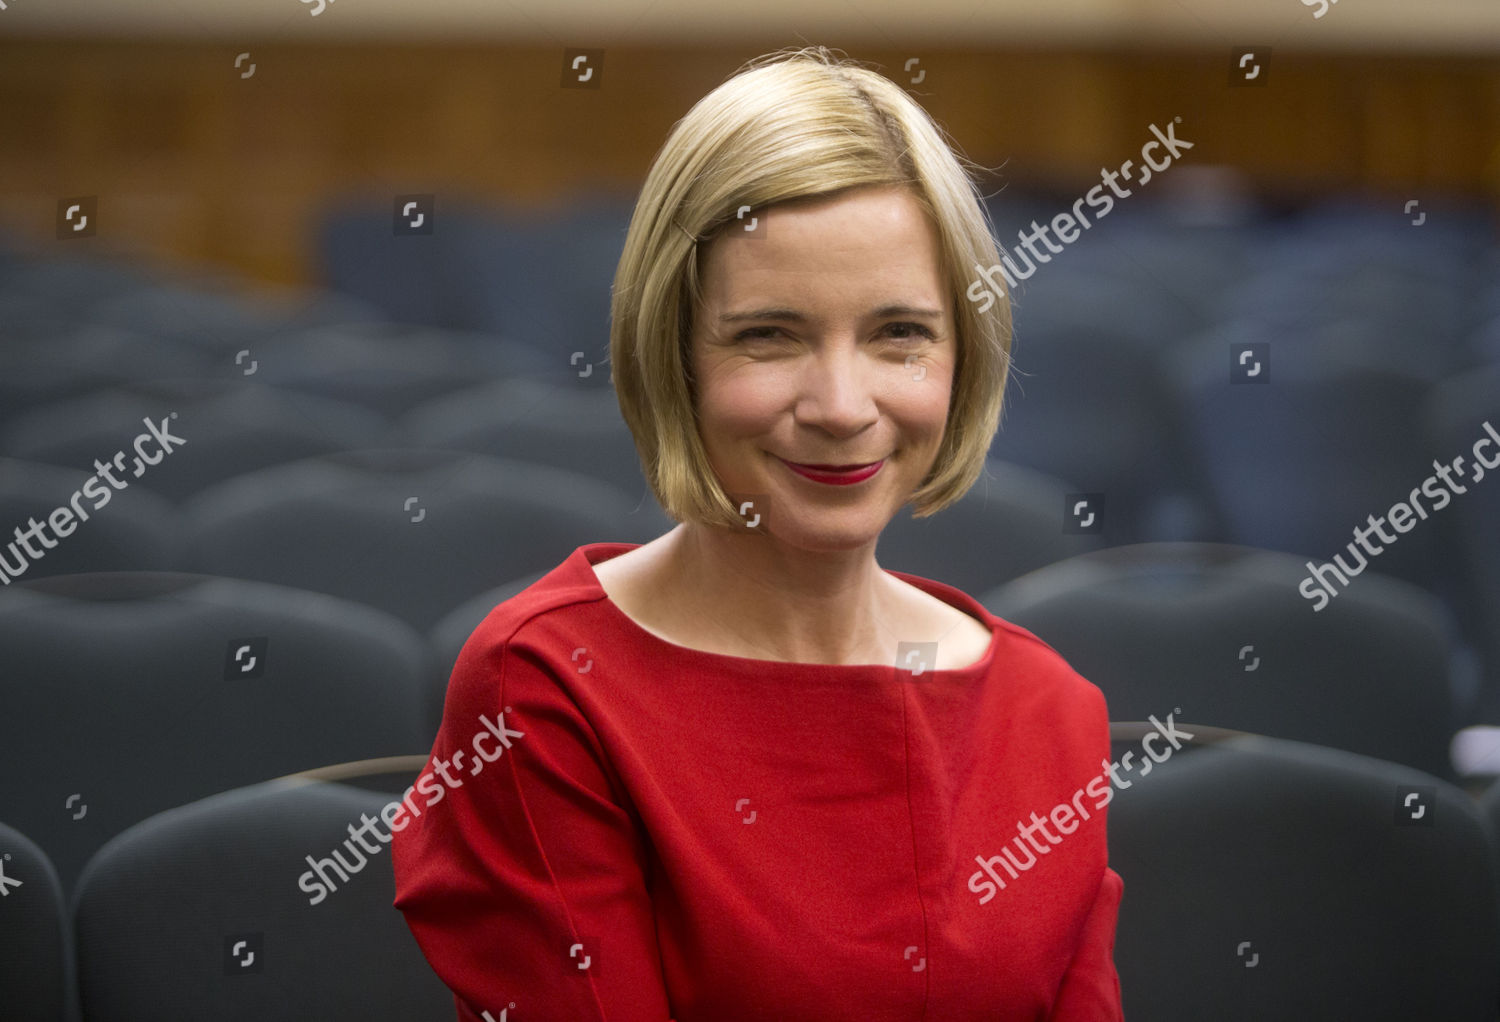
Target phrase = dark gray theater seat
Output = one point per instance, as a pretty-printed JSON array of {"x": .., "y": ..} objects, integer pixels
[
  {"x": 389, "y": 368},
  {"x": 200, "y": 913},
  {"x": 129, "y": 693},
  {"x": 574, "y": 427},
  {"x": 135, "y": 529},
  {"x": 1012, "y": 520},
  {"x": 1267, "y": 879},
  {"x": 226, "y": 427},
  {"x": 1222, "y": 635},
  {"x": 1456, "y": 413},
  {"x": 36, "y": 942},
  {"x": 414, "y": 532}
]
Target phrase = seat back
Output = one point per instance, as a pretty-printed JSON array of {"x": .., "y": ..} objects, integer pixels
[
  {"x": 213, "y": 910},
  {"x": 36, "y": 944},
  {"x": 1272, "y": 879},
  {"x": 130, "y": 693},
  {"x": 1225, "y": 636},
  {"x": 414, "y": 532},
  {"x": 1013, "y": 520}
]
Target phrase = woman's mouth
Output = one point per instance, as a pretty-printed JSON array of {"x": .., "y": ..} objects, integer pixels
[{"x": 838, "y": 475}]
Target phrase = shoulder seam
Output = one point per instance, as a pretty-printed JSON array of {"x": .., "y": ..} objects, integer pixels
[{"x": 548, "y": 607}]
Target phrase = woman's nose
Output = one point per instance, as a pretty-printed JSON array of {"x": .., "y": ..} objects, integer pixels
[{"x": 837, "y": 389}]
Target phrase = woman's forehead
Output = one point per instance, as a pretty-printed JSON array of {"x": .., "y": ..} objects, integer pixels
[{"x": 853, "y": 245}]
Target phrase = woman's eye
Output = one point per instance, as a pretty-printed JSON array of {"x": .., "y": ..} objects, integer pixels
[
  {"x": 919, "y": 332},
  {"x": 897, "y": 330}
]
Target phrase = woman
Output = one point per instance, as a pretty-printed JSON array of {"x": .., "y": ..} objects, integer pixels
[{"x": 742, "y": 771}]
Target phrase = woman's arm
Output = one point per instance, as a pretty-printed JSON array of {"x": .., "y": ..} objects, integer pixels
[
  {"x": 520, "y": 874},
  {"x": 1090, "y": 990}
]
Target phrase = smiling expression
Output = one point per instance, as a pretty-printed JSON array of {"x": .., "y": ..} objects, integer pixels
[{"x": 826, "y": 340}]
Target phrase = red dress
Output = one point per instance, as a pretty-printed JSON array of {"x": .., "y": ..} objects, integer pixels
[{"x": 628, "y": 830}]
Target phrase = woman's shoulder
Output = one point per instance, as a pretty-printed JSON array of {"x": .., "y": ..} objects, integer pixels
[
  {"x": 1046, "y": 670},
  {"x": 554, "y": 612}
]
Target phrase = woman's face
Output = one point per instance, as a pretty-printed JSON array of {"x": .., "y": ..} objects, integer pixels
[{"x": 840, "y": 375}]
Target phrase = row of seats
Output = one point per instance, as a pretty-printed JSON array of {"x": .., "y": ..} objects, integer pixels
[
  {"x": 1161, "y": 268},
  {"x": 416, "y": 531},
  {"x": 384, "y": 368},
  {"x": 61, "y": 343},
  {"x": 1180, "y": 259},
  {"x": 1184, "y": 446},
  {"x": 1264, "y": 878},
  {"x": 197, "y": 913},
  {"x": 1157, "y": 272},
  {"x": 1293, "y": 466},
  {"x": 167, "y": 687},
  {"x": 231, "y": 428},
  {"x": 1224, "y": 635}
]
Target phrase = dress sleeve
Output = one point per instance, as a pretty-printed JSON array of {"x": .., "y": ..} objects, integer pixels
[
  {"x": 1090, "y": 990},
  {"x": 527, "y": 854}
]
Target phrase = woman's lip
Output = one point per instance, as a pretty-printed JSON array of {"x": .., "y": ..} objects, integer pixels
[
  {"x": 834, "y": 468},
  {"x": 835, "y": 477}
]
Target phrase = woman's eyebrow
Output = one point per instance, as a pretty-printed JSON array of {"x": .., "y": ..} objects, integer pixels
[{"x": 783, "y": 314}]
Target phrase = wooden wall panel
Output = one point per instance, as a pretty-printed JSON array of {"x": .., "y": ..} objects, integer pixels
[{"x": 193, "y": 163}]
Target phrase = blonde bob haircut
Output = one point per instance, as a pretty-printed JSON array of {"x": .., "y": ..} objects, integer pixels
[{"x": 790, "y": 125}]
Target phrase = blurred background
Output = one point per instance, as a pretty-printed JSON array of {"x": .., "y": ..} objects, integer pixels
[{"x": 358, "y": 254}]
